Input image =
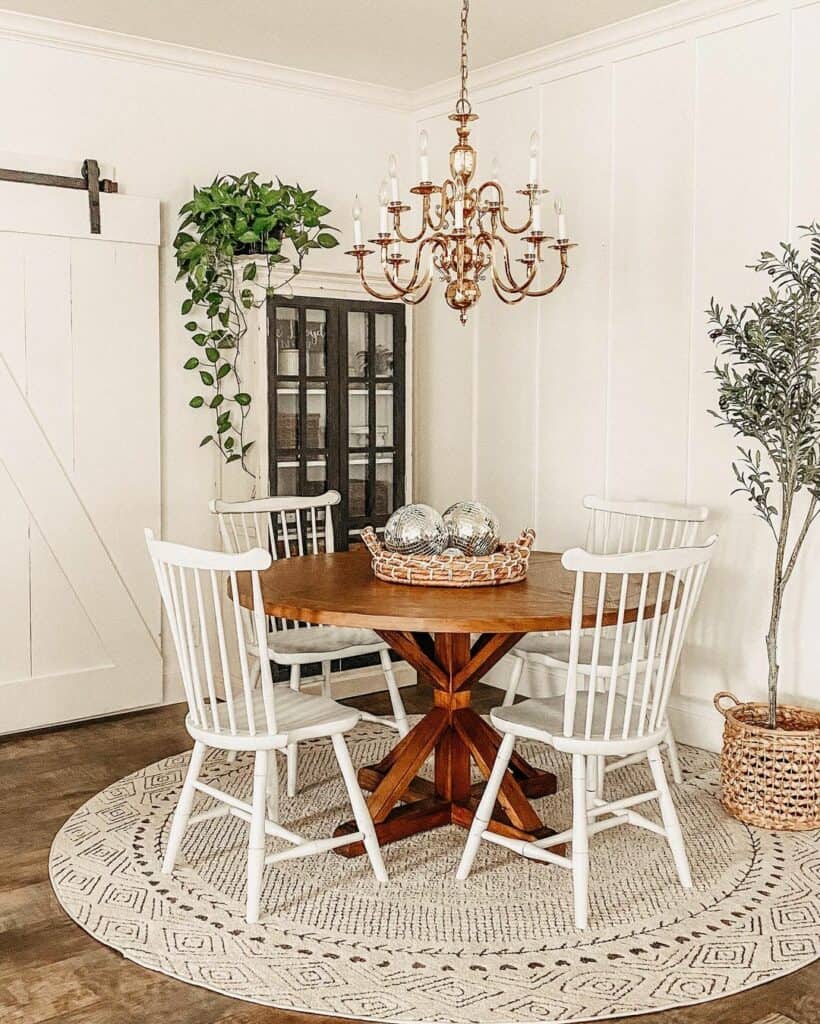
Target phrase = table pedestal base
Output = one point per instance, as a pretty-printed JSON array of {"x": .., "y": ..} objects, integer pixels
[{"x": 401, "y": 802}]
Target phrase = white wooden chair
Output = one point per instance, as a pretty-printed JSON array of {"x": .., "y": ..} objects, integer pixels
[
  {"x": 212, "y": 650},
  {"x": 289, "y": 527},
  {"x": 614, "y": 527},
  {"x": 606, "y": 712}
]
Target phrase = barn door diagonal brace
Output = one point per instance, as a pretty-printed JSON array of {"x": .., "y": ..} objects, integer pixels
[{"x": 89, "y": 181}]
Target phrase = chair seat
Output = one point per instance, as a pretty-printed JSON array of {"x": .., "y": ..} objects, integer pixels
[
  {"x": 542, "y": 718},
  {"x": 553, "y": 648},
  {"x": 299, "y": 716},
  {"x": 339, "y": 641}
]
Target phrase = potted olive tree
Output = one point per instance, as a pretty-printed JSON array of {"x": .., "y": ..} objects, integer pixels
[{"x": 769, "y": 394}]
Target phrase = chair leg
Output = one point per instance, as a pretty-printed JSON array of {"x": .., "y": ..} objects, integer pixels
[
  {"x": 580, "y": 841},
  {"x": 671, "y": 824},
  {"x": 674, "y": 760},
  {"x": 399, "y": 714},
  {"x": 515, "y": 679},
  {"x": 256, "y": 841},
  {"x": 272, "y": 787},
  {"x": 183, "y": 809},
  {"x": 484, "y": 810},
  {"x": 293, "y": 752},
  {"x": 326, "y": 674},
  {"x": 360, "y": 811},
  {"x": 599, "y": 791}
]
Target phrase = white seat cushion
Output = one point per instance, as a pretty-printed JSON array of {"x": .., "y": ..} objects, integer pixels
[
  {"x": 553, "y": 648},
  {"x": 321, "y": 639},
  {"x": 299, "y": 716},
  {"x": 543, "y": 718}
]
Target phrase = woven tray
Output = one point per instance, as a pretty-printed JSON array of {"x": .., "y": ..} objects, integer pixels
[{"x": 507, "y": 565}]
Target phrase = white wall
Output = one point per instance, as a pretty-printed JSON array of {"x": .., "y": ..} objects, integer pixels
[
  {"x": 683, "y": 143},
  {"x": 168, "y": 119}
]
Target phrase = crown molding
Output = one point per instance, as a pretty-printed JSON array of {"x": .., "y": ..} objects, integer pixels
[
  {"x": 681, "y": 15},
  {"x": 96, "y": 42}
]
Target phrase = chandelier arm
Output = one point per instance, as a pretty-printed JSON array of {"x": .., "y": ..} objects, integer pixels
[
  {"x": 518, "y": 297},
  {"x": 515, "y": 287},
  {"x": 433, "y": 241},
  {"x": 559, "y": 279},
  {"x": 508, "y": 227},
  {"x": 446, "y": 187},
  {"x": 412, "y": 239}
]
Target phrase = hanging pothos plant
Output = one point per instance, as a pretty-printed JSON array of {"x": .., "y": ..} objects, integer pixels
[{"x": 233, "y": 234}]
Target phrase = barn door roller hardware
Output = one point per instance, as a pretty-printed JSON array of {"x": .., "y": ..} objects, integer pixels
[{"x": 89, "y": 181}]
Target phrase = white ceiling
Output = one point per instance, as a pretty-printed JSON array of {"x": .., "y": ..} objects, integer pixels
[{"x": 405, "y": 44}]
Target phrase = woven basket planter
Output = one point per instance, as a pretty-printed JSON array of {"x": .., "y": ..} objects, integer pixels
[
  {"x": 771, "y": 777},
  {"x": 506, "y": 565}
]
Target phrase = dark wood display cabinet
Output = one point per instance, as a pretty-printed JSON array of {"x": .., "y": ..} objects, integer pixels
[{"x": 337, "y": 405}]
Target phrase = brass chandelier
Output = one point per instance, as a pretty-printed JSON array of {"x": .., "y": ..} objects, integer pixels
[{"x": 461, "y": 239}]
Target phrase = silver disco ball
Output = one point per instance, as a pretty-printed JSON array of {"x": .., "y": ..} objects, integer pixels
[
  {"x": 472, "y": 528},
  {"x": 415, "y": 530}
]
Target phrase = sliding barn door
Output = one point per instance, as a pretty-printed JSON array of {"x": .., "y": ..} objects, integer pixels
[{"x": 79, "y": 456}]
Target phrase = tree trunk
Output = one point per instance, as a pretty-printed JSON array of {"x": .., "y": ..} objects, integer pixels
[{"x": 774, "y": 617}]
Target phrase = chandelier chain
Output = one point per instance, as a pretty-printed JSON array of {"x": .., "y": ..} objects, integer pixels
[{"x": 463, "y": 105}]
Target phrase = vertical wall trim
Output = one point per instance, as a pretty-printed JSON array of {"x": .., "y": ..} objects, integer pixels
[
  {"x": 536, "y": 390},
  {"x": 610, "y": 285},
  {"x": 791, "y": 231},
  {"x": 473, "y": 321},
  {"x": 695, "y": 50}
]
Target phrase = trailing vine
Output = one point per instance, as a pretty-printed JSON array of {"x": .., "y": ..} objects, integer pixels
[{"x": 238, "y": 222}]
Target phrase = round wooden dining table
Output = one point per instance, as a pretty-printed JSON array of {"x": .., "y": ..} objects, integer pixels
[{"x": 432, "y": 628}]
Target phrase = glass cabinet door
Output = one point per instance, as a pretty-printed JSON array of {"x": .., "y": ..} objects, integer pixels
[
  {"x": 373, "y": 386},
  {"x": 337, "y": 408},
  {"x": 301, "y": 439}
]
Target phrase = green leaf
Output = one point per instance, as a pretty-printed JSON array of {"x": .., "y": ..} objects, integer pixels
[
  {"x": 206, "y": 378},
  {"x": 205, "y": 440},
  {"x": 187, "y": 306},
  {"x": 228, "y": 443},
  {"x": 242, "y": 398},
  {"x": 197, "y": 402},
  {"x": 212, "y": 354},
  {"x": 216, "y": 401},
  {"x": 327, "y": 241},
  {"x": 249, "y": 273},
  {"x": 223, "y": 371},
  {"x": 191, "y": 364},
  {"x": 233, "y": 458},
  {"x": 192, "y": 325}
]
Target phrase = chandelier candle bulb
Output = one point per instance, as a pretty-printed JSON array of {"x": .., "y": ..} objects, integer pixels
[
  {"x": 536, "y": 217},
  {"x": 393, "y": 171},
  {"x": 383, "y": 198},
  {"x": 533, "y": 179},
  {"x": 424, "y": 160},
  {"x": 562, "y": 220},
  {"x": 357, "y": 222}
]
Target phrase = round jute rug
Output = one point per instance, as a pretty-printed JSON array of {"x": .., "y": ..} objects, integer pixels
[{"x": 499, "y": 948}]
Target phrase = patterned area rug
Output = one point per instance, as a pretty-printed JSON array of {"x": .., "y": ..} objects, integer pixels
[{"x": 423, "y": 948}]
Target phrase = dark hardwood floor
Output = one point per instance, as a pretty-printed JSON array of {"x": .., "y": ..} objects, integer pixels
[{"x": 51, "y": 971}]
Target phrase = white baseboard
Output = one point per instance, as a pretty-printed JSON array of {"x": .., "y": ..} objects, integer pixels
[
  {"x": 693, "y": 721},
  {"x": 353, "y": 682}
]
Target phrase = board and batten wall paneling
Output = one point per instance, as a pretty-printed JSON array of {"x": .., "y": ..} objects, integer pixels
[
  {"x": 740, "y": 207},
  {"x": 568, "y": 453},
  {"x": 681, "y": 153},
  {"x": 506, "y": 369},
  {"x": 652, "y": 110},
  {"x": 803, "y": 601}
]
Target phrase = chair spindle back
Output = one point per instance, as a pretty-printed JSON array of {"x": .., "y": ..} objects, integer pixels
[
  {"x": 210, "y": 643},
  {"x": 628, "y": 688},
  {"x": 618, "y": 527}
]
